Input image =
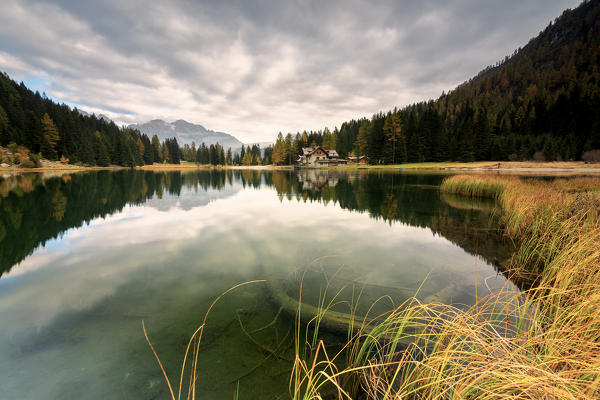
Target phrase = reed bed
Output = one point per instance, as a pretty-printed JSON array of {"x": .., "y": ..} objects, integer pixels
[{"x": 543, "y": 343}]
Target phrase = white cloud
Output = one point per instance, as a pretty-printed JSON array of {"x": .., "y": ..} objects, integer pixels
[{"x": 255, "y": 68}]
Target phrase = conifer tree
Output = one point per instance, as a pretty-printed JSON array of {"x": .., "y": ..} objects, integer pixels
[
  {"x": 166, "y": 154},
  {"x": 49, "y": 137},
  {"x": 304, "y": 139},
  {"x": 156, "y": 149},
  {"x": 148, "y": 150},
  {"x": 362, "y": 141},
  {"x": 102, "y": 157},
  {"x": 279, "y": 151},
  {"x": 4, "y": 124},
  {"x": 393, "y": 131}
]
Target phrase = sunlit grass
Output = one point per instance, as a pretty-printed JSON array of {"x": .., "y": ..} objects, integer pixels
[
  {"x": 485, "y": 165},
  {"x": 543, "y": 343}
]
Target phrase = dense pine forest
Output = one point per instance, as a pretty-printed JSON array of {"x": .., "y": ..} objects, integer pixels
[
  {"x": 542, "y": 103},
  {"x": 34, "y": 122},
  {"x": 33, "y": 125}
]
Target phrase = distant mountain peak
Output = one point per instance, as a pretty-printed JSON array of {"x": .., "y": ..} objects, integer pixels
[
  {"x": 98, "y": 116},
  {"x": 186, "y": 132}
]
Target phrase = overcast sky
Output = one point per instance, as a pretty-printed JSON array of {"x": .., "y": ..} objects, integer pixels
[{"x": 253, "y": 68}]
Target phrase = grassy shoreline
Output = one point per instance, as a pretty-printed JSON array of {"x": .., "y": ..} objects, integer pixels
[
  {"x": 479, "y": 165},
  {"x": 505, "y": 166},
  {"x": 542, "y": 343}
]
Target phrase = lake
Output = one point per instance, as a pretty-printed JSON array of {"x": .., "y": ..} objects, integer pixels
[{"x": 85, "y": 258}]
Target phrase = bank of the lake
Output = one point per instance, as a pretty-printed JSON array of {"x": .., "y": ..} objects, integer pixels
[
  {"x": 541, "y": 343},
  {"x": 503, "y": 166},
  {"x": 517, "y": 167}
]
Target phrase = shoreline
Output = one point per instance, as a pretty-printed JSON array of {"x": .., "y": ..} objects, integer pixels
[{"x": 480, "y": 166}]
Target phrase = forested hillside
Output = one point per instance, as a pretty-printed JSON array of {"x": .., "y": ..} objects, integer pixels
[
  {"x": 31, "y": 124},
  {"x": 542, "y": 103},
  {"x": 56, "y": 131}
]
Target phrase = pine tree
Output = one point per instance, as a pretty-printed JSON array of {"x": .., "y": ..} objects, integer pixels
[
  {"x": 304, "y": 139},
  {"x": 102, "y": 157},
  {"x": 4, "y": 124},
  {"x": 49, "y": 137},
  {"x": 393, "y": 131},
  {"x": 279, "y": 151},
  {"x": 289, "y": 149},
  {"x": 166, "y": 154},
  {"x": 362, "y": 140},
  {"x": 127, "y": 157},
  {"x": 247, "y": 160},
  {"x": 481, "y": 130},
  {"x": 156, "y": 149},
  {"x": 148, "y": 150}
]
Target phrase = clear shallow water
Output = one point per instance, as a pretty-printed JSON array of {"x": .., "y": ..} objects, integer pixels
[{"x": 85, "y": 258}]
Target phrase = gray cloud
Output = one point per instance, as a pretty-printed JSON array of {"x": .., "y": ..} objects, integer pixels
[{"x": 253, "y": 68}]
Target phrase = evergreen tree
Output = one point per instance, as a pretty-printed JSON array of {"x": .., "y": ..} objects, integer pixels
[
  {"x": 102, "y": 157},
  {"x": 481, "y": 130},
  {"x": 289, "y": 149},
  {"x": 156, "y": 149},
  {"x": 127, "y": 157},
  {"x": 362, "y": 141},
  {"x": 148, "y": 150},
  {"x": 166, "y": 153},
  {"x": 304, "y": 139},
  {"x": 49, "y": 137},
  {"x": 392, "y": 128},
  {"x": 279, "y": 150},
  {"x": 247, "y": 160},
  {"x": 4, "y": 125}
]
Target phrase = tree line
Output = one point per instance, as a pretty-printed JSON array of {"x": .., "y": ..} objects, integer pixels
[
  {"x": 57, "y": 132},
  {"x": 215, "y": 154}
]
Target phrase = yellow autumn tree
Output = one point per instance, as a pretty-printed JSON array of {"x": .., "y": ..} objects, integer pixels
[{"x": 49, "y": 137}]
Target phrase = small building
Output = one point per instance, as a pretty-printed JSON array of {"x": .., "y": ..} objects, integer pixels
[
  {"x": 358, "y": 160},
  {"x": 319, "y": 157}
]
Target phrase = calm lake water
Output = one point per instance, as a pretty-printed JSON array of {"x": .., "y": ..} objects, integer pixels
[{"x": 85, "y": 258}]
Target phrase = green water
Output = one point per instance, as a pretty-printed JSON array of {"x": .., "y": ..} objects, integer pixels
[{"x": 85, "y": 258}]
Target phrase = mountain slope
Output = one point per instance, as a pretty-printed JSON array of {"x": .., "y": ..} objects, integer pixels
[
  {"x": 56, "y": 131},
  {"x": 186, "y": 133},
  {"x": 541, "y": 103}
]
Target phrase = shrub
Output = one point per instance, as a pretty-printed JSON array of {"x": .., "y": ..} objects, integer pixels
[
  {"x": 13, "y": 147},
  {"x": 27, "y": 163}
]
